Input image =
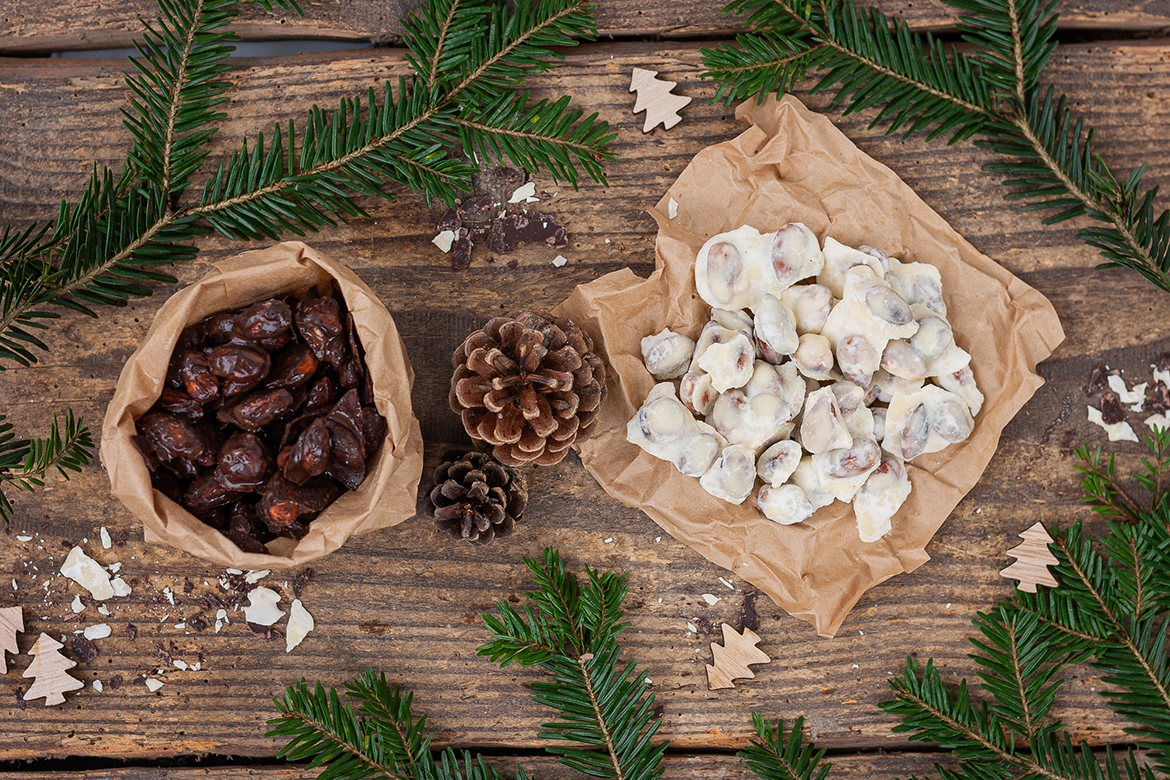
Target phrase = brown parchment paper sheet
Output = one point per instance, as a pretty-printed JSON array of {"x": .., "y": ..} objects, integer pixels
[
  {"x": 793, "y": 166},
  {"x": 385, "y": 498}
]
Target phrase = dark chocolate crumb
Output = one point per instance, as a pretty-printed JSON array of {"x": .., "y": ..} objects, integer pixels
[
  {"x": 300, "y": 581},
  {"x": 121, "y": 538},
  {"x": 461, "y": 251},
  {"x": 449, "y": 221},
  {"x": 188, "y": 586},
  {"x": 139, "y": 678},
  {"x": 1162, "y": 362},
  {"x": 20, "y": 702},
  {"x": 478, "y": 209},
  {"x": 1157, "y": 399},
  {"x": 163, "y": 656},
  {"x": 1111, "y": 409},
  {"x": 114, "y": 682},
  {"x": 1096, "y": 380},
  {"x": 211, "y": 601},
  {"x": 657, "y": 711},
  {"x": 131, "y": 631},
  {"x": 198, "y": 622},
  {"x": 747, "y": 613},
  {"x": 268, "y": 632},
  {"x": 84, "y": 649}
]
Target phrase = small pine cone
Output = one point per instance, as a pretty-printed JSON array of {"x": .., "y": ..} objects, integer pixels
[
  {"x": 476, "y": 498},
  {"x": 529, "y": 385}
]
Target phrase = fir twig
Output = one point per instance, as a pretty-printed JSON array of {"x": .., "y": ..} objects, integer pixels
[
  {"x": 774, "y": 757},
  {"x": 571, "y": 631},
  {"x": 25, "y": 462},
  {"x": 992, "y": 94}
]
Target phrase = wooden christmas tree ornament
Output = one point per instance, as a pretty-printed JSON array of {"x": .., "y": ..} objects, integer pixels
[
  {"x": 49, "y": 666},
  {"x": 1032, "y": 560},
  {"x": 732, "y": 659},
  {"x": 655, "y": 99},
  {"x": 11, "y": 623}
]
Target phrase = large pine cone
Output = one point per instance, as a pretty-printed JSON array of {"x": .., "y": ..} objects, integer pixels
[
  {"x": 528, "y": 384},
  {"x": 475, "y": 498}
]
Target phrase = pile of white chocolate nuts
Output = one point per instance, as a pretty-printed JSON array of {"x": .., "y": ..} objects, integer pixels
[{"x": 822, "y": 371}]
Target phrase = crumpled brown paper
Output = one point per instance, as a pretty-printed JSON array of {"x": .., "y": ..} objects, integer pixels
[
  {"x": 794, "y": 166},
  {"x": 385, "y": 498}
]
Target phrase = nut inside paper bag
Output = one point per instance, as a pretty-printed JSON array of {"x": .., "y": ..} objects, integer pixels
[
  {"x": 794, "y": 166},
  {"x": 387, "y": 494}
]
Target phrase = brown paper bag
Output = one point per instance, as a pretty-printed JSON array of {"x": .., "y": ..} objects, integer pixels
[
  {"x": 385, "y": 498},
  {"x": 794, "y": 166}
]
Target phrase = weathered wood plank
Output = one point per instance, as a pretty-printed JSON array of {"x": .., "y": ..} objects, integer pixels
[
  {"x": 31, "y": 26},
  {"x": 675, "y": 767},
  {"x": 399, "y": 600}
]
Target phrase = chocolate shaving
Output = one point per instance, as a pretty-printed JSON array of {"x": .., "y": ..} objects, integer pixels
[
  {"x": 115, "y": 682},
  {"x": 131, "y": 631},
  {"x": 121, "y": 538},
  {"x": 1157, "y": 399},
  {"x": 1111, "y": 409},
  {"x": 1162, "y": 362},
  {"x": 1096, "y": 380},
  {"x": 748, "y": 619},
  {"x": 162, "y": 654},
  {"x": 461, "y": 251},
  {"x": 300, "y": 581},
  {"x": 198, "y": 622},
  {"x": 268, "y": 632},
  {"x": 84, "y": 649},
  {"x": 478, "y": 209},
  {"x": 188, "y": 586},
  {"x": 20, "y": 702},
  {"x": 449, "y": 221}
]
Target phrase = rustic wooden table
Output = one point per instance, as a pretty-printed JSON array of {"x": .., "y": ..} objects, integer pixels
[{"x": 403, "y": 601}]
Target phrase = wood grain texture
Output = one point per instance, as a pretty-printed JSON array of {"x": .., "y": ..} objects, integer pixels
[
  {"x": 402, "y": 601},
  {"x": 675, "y": 767},
  {"x": 41, "y": 26}
]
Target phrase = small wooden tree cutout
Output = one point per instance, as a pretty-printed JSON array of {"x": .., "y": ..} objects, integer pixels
[
  {"x": 732, "y": 659},
  {"x": 655, "y": 99},
  {"x": 1032, "y": 560},
  {"x": 49, "y": 666},
  {"x": 11, "y": 623}
]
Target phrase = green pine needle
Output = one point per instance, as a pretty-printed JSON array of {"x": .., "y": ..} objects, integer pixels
[
  {"x": 991, "y": 94},
  {"x": 571, "y": 631},
  {"x": 773, "y": 757},
  {"x": 24, "y": 463}
]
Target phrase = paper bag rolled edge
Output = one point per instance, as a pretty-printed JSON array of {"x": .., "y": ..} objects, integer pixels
[{"x": 398, "y": 467}]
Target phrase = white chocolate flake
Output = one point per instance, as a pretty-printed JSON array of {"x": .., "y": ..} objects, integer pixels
[
  {"x": 444, "y": 240},
  {"x": 1118, "y": 431},
  {"x": 262, "y": 609},
  {"x": 98, "y": 631},
  {"x": 300, "y": 623},
  {"x": 87, "y": 573}
]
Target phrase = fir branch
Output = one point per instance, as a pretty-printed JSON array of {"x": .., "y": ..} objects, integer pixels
[
  {"x": 992, "y": 94},
  {"x": 571, "y": 631},
  {"x": 773, "y": 757},
  {"x": 24, "y": 463}
]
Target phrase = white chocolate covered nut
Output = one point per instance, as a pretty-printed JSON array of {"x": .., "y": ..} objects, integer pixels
[
  {"x": 784, "y": 504},
  {"x": 903, "y": 361},
  {"x": 753, "y": 422},
  {"x": 814, "y": 356},
  {"x": 843, "y": 471},
  {"x": 775, "y": 329},
  {"x": 953, "y": 358},
  {"x": 667, "y": 354},
  {"x": 696, "y": 392},
  {"x": 886, "y": 386},
  {"x": 917, "y": 283},
  {"x": 926, "y": 421},
  {"x": 795, "y": 254},
  {"x": 731, "y": 364},
  {"x": 807, "y": 478},
  {"x": 712, "y": 333},
  {"x": 732, "y": 476},
  {"x": 810, "y": 305},
  {"x": 882, "y": 495},
  {"x": 857, "y": 359},
  {"x": 821, "y": 428},
  {"x": 839, "y": 259},
  {"x": 879, "y": 422},
  {"x": 962, "y": 384},
  {"x": 776, "y": 464},
  {"x": 869, "y": 307},
  {"x": 934, "y": 333},
  {"x": 664, "y": 428},
  {"x": 857, "y": 416}
]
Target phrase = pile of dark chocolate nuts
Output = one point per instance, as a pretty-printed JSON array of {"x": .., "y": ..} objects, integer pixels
[{"x": 266, "y": 417}]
